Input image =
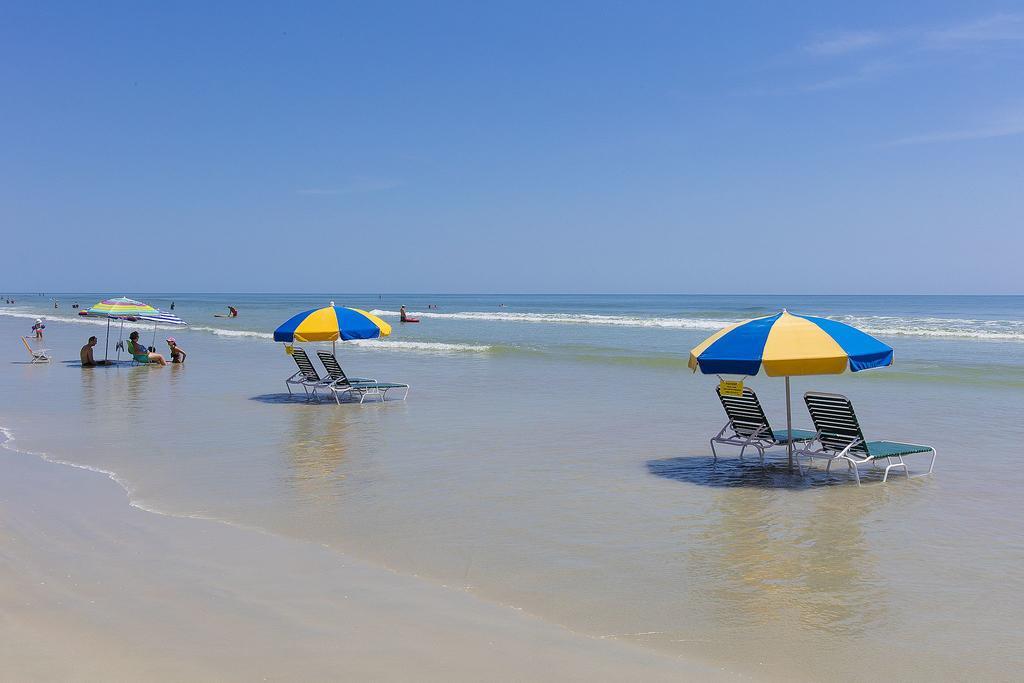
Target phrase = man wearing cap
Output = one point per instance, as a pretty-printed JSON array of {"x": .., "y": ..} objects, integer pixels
[{"x": 177, "y": 353}]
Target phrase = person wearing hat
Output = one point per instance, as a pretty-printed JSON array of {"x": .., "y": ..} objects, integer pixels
[
  {"x": 38, "y": 328},
  {"x": 177, "y": 353}
]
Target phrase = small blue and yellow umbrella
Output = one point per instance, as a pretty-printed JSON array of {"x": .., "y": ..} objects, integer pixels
[
  {"x": 787, "y": 345},
  {"x": 332, "y": 323}
]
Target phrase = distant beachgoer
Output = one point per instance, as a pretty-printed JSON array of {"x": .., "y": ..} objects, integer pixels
[
  {"x": 172, "y": 305},
  {"x": 38, "y": 328},
  {"x": 177, "y": 353},
  {"x": 140, "y": 353},
  {"x": 74, "y": 305},
  {"x": 401, "y": 312},
  {"x": 86, "y": 354},
  {"x": 55, "y": 304}
]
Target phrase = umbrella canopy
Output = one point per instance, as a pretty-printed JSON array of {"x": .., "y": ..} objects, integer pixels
[
  {"x": 786, "y": 345},
  {"x": 122, "y": 307},
  {"x": 161, "y": 318},
  {"x": 331, "y": 323}
]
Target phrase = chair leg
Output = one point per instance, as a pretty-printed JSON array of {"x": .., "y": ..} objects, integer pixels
[{"x": 714, "y": 454}]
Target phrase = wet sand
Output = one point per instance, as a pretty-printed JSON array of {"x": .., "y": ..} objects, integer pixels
[{"x": 92, "y": 588}]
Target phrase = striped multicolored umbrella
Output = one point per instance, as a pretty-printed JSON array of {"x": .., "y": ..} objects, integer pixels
[
  {"x": 161, "y": 317},
  {"x": 787, "y": 345},
  {"x": 332, "y": 323},
  {"x": 122, "y": 307}
]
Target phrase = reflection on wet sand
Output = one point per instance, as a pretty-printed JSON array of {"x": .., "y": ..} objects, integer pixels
[
  {"x": 794, "y": 561},
  {"x": 316, "y": 445}
]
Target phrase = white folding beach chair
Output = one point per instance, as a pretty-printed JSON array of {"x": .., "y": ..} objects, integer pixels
[
  {"x": 38, "y": 355},
  {"x": 839, "y": 437},
  {"x": 748, "y": 426},
  {"x": 355, "y": 386}
]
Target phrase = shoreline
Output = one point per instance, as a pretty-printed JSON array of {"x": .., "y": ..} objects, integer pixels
[{"x": 119, "y": 592}]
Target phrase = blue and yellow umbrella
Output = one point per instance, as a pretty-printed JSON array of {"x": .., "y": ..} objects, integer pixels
[
  {"x": 788, "y": 345},
  {"x": 332, "y": 324}
]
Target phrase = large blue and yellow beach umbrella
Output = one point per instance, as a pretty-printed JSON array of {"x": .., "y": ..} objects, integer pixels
[
  {"x": 788, "y": 345},
  {"x": 332, "y": 323}
]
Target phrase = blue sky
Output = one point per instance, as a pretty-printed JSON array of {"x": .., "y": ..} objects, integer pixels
[{"x": 513, "y": 147}]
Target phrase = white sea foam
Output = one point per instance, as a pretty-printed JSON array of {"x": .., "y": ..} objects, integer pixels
[
  {"x": 425, "y": 347},
  {"x": 570, "y": 319},
  {"x": 883, "y": 326},
  {"x": 942, "y": 328},
  {"x": 221, "y": 332}
]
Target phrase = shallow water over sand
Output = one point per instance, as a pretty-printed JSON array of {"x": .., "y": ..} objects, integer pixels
[{"x": 583, "y": 491}]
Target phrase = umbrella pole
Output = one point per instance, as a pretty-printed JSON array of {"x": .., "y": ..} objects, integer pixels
[
  {"x": 106, "y": 344},
  {"x": 789, "y": 426}
]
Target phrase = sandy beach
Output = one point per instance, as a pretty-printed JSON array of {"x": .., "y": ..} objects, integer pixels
[{"x": 92, "y": 588}]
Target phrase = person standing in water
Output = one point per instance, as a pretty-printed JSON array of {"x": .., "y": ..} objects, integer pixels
[
  {"x": 172, "y": 305},
  {"x": 38, "y": 328},
  {"x": 401, "y": 313}
]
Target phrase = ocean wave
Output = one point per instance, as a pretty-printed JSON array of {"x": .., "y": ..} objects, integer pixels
[
  {"x": 941, "y": 328},
  {"x": 221, "y": 332},
  {"x": 883, "y": 326},
  {"x": 426, "y": 347},
  {"x": 570, "y": 319}
]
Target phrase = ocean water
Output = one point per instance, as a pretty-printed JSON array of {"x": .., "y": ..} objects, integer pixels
[{"x": 553, "y": 456}]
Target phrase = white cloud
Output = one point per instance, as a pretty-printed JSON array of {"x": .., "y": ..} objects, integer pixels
[
  {"x": 991, "y": 29},
  {"x": 1004, "y": 125},
  {"x": 844, "y": 43}
]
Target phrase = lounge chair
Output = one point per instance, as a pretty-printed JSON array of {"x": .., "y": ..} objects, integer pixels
[
  {"x": 138, "y": 358},
  {"x": 307, "y": 377},
  {"x": 748, "y": 426},
  {"x": 839, "y": 437},
  {"x": 38, "y": 355},
  {"x": 361, "y": 386}
]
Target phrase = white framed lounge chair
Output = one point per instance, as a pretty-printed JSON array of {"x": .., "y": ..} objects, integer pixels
[
  {"x": 839, "y": 437},
  {"x": 38, "y": 355},
  {"x": 307, "y": 377},
  {"x": 748, "y": 426},
  {"x": 355, "y": 386}
]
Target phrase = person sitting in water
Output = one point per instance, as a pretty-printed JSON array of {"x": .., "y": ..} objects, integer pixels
[
  {"x": 177, "y": 353},
  {"x": 140, "y": 353},
  {"x": 86, "y": 354}
]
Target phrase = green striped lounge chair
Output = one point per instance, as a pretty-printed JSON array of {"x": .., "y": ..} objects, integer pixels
[
  {"x": 341, "y": 384},
  {"x": 748, "y": 426},
  {"x": 839, "y": 437},
  {"x": 307, "y": 377}
]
